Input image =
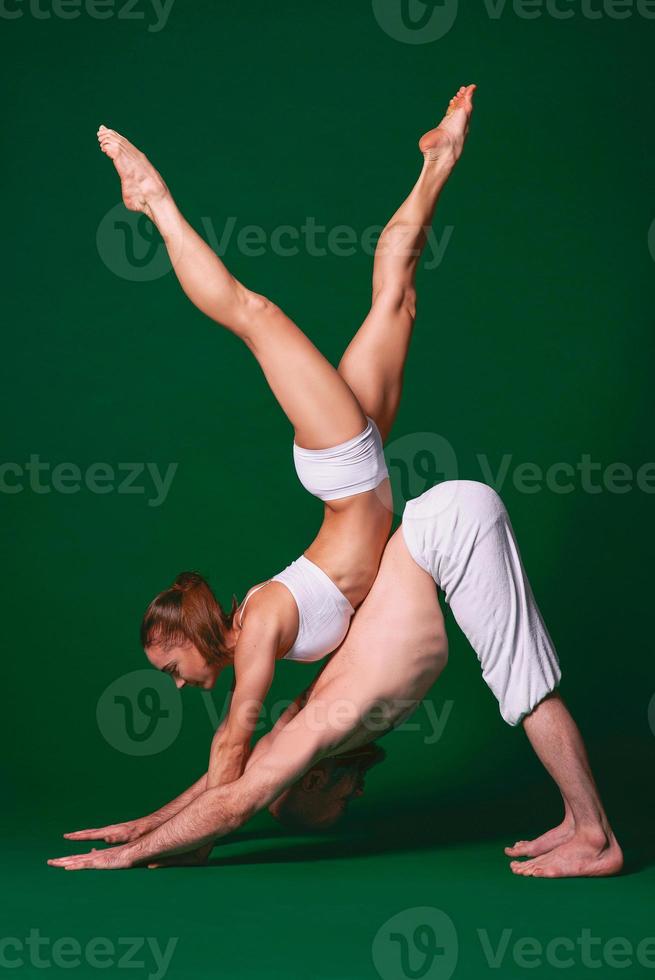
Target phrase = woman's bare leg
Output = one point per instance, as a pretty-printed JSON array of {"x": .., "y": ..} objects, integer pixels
[
  {"x": 318, "y": 402},
  {"x": 374, "y": 361},
  {"x": 584, "y": 845}
]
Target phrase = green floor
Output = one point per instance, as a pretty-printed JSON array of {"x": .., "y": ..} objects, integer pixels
[{"x": 271, "y": 905}]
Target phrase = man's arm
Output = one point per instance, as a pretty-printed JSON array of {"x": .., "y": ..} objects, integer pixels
[
  {"x": 130, "y": 830},
  {"x": 223, "y": 809}
]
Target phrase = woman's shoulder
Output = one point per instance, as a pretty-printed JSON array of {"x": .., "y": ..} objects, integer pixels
[{"x": 273, "y": 611}]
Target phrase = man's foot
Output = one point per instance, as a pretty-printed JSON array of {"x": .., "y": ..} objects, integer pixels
[
  {"x": 141, "y": 185},
  {"x": 541, "y": 845},
  {"x": 586, "y": 855},
  {"x": 447, "y": 140}
]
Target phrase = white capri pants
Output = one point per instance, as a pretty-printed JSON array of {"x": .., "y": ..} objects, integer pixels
[{"x": 460, "y": 533}]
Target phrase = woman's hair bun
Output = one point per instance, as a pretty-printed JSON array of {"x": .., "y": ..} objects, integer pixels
[{"x": 186, "y": 581}]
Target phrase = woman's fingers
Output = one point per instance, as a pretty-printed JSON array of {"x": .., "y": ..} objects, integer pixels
[
  {"x": 95, "y": 834},
  {"x": 114, "y": 833}
]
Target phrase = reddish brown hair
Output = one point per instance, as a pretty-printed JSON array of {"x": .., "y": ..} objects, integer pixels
[{"x": 188, "y": 611}]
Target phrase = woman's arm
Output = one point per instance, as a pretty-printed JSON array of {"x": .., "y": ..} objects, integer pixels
[
  {"x": 120, "y": 833},
  {"x": 128, "y": 830},
  {"x": 254, "y": 667}
]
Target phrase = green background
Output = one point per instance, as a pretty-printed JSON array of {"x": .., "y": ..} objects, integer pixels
[{"x": 534, "y": 340}]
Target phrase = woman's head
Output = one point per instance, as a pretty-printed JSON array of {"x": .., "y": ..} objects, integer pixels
[{"x": 187, "y": 634}]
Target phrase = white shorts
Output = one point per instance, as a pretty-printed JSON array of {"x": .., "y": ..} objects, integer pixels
[
  {"x": 345, "y": 470},
  {"x": 460, "y": 533}
]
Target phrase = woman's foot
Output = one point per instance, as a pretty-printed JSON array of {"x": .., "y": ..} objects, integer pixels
[
  {"x": 141, "y": 184},
  {"x": 447, "y": 140},
  {"x": 542, "y": 845},
  {"x": 589, "y": 854}
]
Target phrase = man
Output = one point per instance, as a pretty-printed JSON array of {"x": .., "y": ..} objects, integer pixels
[{"x": 458, "y": 537}]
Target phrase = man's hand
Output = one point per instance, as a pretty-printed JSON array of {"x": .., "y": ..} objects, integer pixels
[
  {"x": 111, "y": 859},
  {"x": 190, "y": 859},
  {"x": 115, "y": 833}
]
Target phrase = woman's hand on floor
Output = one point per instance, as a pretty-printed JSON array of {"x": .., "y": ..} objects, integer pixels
[{"x": 114, "y": 833}]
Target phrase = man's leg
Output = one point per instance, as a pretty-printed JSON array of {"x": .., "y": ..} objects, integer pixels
[
  {"x": 374, "y": 361},
  {"x": 462, "y": 532},
  {"x": 584, "y": 843}
]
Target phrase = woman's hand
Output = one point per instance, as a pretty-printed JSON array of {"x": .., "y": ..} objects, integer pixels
[{"x": 115, "y": 833}]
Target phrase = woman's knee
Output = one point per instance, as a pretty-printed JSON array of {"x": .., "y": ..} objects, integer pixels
[{"x": 251, "y": 311}]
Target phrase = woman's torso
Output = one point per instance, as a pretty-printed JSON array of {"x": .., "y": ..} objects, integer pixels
[
  {"x": 337, "y": 570},
  {"x": 332, "y": 577},
  {"x": 350, "y": 542}
]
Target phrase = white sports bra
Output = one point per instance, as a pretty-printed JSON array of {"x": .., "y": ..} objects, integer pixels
[{"x": 324, "y": 613}]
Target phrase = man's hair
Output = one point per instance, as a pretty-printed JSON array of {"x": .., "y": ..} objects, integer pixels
[{"x": 298, "y": 808}]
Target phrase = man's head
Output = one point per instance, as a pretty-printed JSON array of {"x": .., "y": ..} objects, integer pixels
[{"x": 320, "y": 797}]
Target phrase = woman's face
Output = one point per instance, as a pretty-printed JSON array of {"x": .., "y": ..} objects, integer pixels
[{"x": 185, "y": 664}]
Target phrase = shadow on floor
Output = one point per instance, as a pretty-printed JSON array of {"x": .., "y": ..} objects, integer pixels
[{"x": 431, "y": 825}]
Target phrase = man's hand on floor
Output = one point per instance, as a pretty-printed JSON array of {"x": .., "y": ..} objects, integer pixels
[
  {"x": 117, "y": 858},
  {"x": 190, "y": 859},
  {"x": 110, "y": 859}
]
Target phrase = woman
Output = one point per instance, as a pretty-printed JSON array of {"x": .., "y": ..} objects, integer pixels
[{"x": 340, "y": 420}]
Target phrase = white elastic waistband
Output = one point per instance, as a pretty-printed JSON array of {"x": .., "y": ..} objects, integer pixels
[{"x": 345, "y": 470}]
